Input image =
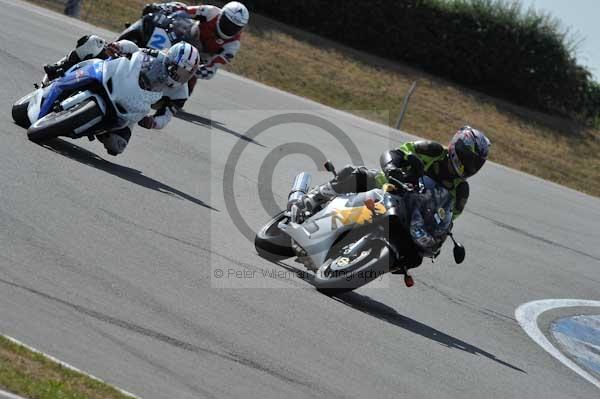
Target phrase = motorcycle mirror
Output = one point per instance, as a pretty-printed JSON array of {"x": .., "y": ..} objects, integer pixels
[
  {"x": 459, "y": 253},
  {"x": 329, "y": 167}
]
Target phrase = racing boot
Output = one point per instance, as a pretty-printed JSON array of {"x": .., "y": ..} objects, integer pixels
[
  {"x": 55, "y": 71},
  {"x": 318, "y": 196},
  {"x": 87, "y": 47}
]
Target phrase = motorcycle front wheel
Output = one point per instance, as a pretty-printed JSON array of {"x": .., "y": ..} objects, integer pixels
[
  {"x": 351, "y": 266},
  {"x": 19, "y": 111},
  {"x": 271, "y": 243},
  {"x": 64, "y": 123}
]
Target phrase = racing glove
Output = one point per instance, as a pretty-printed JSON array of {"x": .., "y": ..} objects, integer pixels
[
  {"x": 396, "y": 173},
  {"x": 409, "y": 173},
  {"x": 205, "y": 72},
  {"x": 112, "y": 50}
]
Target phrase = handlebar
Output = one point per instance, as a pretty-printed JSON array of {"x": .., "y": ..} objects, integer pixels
[{"x": 406, "y": 187}]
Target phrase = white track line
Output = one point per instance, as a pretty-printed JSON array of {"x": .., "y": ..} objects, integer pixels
[
  {"x": 68, "y": 366},
  {"x": 8, "y": 395},
  {"x": 527, "y": 315}
]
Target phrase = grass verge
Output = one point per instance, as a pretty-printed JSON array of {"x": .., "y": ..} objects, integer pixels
[
  {"x": 277, "y": 55},
  {"x": 34, "y": 376}
]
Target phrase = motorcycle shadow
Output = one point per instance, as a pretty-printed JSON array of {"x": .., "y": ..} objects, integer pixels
[
  {"x": 383, "y": 312},
  {"x": 211, "y": 124},
  {"x": 373, "y": 308},
  {"x": 134, "y": 176}
]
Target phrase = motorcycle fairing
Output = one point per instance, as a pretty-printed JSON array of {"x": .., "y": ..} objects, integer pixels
[
  {"x": 119, "y": 78},
  {"x": 121, "y": 82},
  {"x": 159, "y": 39},
  {"x": 76, "y": 77},
  {"x": 343, "y": 213}
]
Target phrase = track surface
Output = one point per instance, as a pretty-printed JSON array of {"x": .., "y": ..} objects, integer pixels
[{"x": 106, "y": 263}]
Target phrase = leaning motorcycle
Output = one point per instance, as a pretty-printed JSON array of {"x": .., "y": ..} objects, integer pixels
[
  {"x": 160, "y": 31},
  {"x": 356, "y": 238},
  {"x": 93, "y": 97}
]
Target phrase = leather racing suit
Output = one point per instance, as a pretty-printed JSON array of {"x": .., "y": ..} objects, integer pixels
[{"x": 173, "y": 100}]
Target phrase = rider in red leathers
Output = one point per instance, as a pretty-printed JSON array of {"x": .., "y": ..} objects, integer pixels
[{"x": 217, "y": 34}]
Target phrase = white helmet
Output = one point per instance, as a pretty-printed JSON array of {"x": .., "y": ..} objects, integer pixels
[
  {"x": 183, "y": 60},
  {"x": 233, "y": 18}
]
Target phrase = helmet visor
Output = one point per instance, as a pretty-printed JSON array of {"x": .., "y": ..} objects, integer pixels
[
  {"x": 227, "y": 27},
  {"x": 180, "y": 75},
  {"x": 153, "y": 76},
  {"x": 470, "y": 160}
]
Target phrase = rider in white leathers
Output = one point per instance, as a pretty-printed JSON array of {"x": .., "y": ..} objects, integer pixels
[{"x": 162, "y": 71}]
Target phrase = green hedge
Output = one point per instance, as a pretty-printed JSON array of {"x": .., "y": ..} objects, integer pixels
[{"x": 490, "y": 45}]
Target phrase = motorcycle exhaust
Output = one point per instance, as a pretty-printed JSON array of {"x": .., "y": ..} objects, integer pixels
[{"x": 299, "y": 189}]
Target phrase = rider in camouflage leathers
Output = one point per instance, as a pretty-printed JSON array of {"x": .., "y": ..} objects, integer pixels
[{"x": 449, "y": 166}]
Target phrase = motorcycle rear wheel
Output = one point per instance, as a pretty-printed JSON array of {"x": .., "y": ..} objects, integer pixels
[
  {"x": 64, "y": 123},
  {"x": 348, "y": 270}
]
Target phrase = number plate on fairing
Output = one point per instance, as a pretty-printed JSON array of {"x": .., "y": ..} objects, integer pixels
[{"x": 159, "y": 39}]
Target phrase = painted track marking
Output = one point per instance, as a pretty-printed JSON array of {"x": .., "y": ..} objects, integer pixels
[
  {"x": 68, "y": 366},
  {"x": 527, "y": 315}
]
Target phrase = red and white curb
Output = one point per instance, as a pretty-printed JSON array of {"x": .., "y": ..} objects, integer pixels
[
  {"x": 527, "y": 315},
  {"x": 66, "y": 365}
]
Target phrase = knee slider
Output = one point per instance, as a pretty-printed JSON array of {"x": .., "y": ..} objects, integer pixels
[{"x": 114, "y": 144}]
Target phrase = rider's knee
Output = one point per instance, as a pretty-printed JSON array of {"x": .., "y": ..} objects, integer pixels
[{"x": 115, "y": 142}]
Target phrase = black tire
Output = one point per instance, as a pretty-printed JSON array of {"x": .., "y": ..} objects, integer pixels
[
  {"x": 273, "y": 244},
  {"x": 64, "y": 123},
  {"x": 19, "y": 111},
  {"x": 361, "y": 269}
]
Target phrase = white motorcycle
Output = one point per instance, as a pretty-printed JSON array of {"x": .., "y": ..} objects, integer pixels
[
  {"x": 92, "y": 98},
  {"x": 356, "y": 238}
]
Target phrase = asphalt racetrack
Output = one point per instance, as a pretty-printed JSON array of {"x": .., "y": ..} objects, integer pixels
[{"x": 134, "y": 269}]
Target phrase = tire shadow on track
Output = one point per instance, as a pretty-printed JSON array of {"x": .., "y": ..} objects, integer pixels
[
  {"x": 135, "y": 176},
  {"x": 383, "y": 312},
  {"x": 211, "y": 124}
]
